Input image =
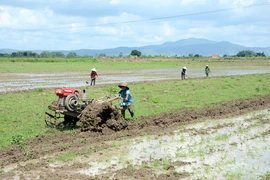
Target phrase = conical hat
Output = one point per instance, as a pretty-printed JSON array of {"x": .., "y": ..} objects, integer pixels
[
  {"x": 123, "y": 84},
  {"x": 94, "y": 69}
]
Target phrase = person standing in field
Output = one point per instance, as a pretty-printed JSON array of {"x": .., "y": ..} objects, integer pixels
[
  {"x": 207, "y": 70},
  {"x": 127, "y": 102},
  {"x": 183, "y": 73},
  {"x": 84, "y": 96},
  {"x": 93, "y": 76}
]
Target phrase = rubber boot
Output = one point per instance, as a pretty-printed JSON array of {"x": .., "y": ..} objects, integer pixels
[{"x": 123, "y": 114}]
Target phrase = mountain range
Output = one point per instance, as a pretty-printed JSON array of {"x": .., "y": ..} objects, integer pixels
[{"x": 182, "y": 47}]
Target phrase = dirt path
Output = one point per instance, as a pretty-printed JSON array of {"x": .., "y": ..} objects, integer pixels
[{"x": 43, "y": 157}]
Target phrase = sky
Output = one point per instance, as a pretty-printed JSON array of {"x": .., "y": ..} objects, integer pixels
[{"x": 102, "y": 24}]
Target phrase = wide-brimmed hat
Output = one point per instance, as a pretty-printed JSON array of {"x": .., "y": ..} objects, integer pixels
[
  {"x": 123, "y": 84},
  {"x": 94, "y": 69},
  {"x": 184, "y": 68},
  {"x": 206, "y": 65}
]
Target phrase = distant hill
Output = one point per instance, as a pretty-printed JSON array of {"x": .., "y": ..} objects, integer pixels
[{"x": 182, "y": 47}]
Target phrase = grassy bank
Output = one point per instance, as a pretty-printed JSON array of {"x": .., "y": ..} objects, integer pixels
[
  {"x": 22, "y": 114},
  {"x": 85, "y": 64}
]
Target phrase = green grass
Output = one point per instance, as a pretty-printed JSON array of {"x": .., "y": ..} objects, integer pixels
[
  {"x": 161, "y": 164},
  {"x": 67, "y": 157},
  {"x": 222, "y": 137},
  {"x": 234, "y": 175},
  {"x": 46, "y": 60},
  {"x": 82, "y": 66},
  {"x": 86, "y": 64},
  {"x": 22, "y": 114},
  {"x": 266, "y": 176},
  {"x": 173, "y": 95}
]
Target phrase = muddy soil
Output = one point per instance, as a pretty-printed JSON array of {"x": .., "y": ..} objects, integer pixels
[
  {"x": 102, "y": 117},
  {"x": 39, "y": 158}
]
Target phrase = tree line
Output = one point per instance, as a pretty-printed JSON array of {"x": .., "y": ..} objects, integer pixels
[
  {"x": 248, "y": 53},
  {"x": 43, "y": 54},
  {"x": 48, "y": 54}
]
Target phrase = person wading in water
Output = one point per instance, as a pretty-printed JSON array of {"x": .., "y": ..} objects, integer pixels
[
  {"x": 207, "y": 70},
  {"x": 93, "y": 76},
  {"x": 183, "y": 73}
]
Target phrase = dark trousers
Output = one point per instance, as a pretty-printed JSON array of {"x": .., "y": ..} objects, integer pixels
[
  {"x": 183, "y": 76},
  {"x": 93, "y": 81},
  {"x": 129, "y": 108}
]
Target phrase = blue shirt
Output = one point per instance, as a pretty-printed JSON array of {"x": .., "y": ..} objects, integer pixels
[{"x": 123, "y": 95}]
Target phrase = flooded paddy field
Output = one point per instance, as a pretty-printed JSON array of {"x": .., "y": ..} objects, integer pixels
[
  {"x": 28, "y": 81},
  {"x": 210, "y": 147},
  {"x": 235, "y": 147}
]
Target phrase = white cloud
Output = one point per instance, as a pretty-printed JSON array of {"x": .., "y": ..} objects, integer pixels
[
  {"x": 237, "y": 3},
  {"x": 158, "y": 38},
  {"x": 242, "y": 3},
  {"x": 193, "y": 2},
  {"x": 168, "y": 30},
  {"x": 111, "y": 23},
  {"x": 5, "y": 17},
  {"x": 114, "y": 1},
  {"x": 23, "y": 18}
]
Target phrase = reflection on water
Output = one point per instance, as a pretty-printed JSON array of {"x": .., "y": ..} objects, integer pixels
[{"x": 26, "y": 81}]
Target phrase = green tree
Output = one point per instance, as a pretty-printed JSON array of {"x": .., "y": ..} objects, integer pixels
[
  {"x": 71, "y": 55},
  {"x": 260, "y": 54},
  {"x": 13, "y": 54},
  {"x": 58, "y": 54},
  {"x": 86, "y": 56},
  {"x": 45, "y": 54},
  {"x": 4, "y": 55},
  {"x": 24, "y": 54},
  {"x": 135, "y": 53},
  {"x": 120, "y": 55},
  {"x": 246, "y": 53},
  {"x": 101, "y": 55}
]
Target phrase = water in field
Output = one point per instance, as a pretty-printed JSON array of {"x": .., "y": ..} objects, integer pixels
[
  {"x": 231, "y": 148},
  {"x": 238, "y": 146},
  {"x": 27, "y": 81}
]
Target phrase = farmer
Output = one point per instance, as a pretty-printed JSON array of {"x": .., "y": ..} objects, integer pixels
[
  {"x": 207, "y": 70},
  {"x": 84, "y": 96},
  {"x": 127, "y": 103},
  {"x": 93, "y": 76},
  {"x": 183, "y": 73}
]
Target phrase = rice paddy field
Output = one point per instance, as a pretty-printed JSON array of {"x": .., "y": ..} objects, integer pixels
[{"x": 198, "y": 128}]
